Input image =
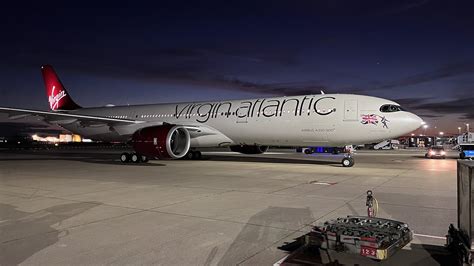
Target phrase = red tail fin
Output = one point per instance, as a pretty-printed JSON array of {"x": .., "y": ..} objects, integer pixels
[{"x": 57, "y": 96}]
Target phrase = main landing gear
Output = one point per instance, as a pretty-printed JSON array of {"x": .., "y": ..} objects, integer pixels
[
  {"x": 193, "y": 155},
  {"x": 133, "y": 157},
  {"x": 137, "y": 158}
]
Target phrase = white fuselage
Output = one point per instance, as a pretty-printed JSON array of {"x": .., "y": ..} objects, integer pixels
[{"x": 311, "y": 120}]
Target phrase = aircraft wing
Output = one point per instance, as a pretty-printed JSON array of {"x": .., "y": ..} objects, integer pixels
[
  {"x": 124, "y": 127},
  {"x": 65, "y": 118}
]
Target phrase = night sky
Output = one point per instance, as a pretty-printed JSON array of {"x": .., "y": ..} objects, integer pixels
[{"x": 419, "y": 53}]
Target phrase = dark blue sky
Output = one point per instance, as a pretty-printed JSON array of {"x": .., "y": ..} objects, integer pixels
[{"x": 417, "y": 52}]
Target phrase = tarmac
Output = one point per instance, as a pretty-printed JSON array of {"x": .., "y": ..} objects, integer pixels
[{"x": 70, "y": 207}]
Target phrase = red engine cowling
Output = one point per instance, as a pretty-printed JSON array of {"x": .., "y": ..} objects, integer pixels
[
  {"x": 249, "y": 149},
  {"x": 163, "y": 142}
]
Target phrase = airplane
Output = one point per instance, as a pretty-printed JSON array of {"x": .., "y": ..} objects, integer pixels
[{"x": 177, "y": 130}]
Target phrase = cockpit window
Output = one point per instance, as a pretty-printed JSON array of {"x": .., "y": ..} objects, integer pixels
[{"x": 390, "y": 108}]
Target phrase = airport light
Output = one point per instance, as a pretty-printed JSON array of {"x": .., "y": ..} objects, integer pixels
[
  {"x": 425, "y": 126},
  {"x": 441, "y": 133},
  {"x": 459, "y": 129},
  {"x": 467, "y": 127}
]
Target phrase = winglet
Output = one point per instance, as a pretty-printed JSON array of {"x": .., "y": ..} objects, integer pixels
[{"x": 57, "y": 96}]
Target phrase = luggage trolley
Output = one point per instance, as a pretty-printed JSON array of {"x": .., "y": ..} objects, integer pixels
[
  {"x": 368, "y": 236},
  {"x": 371, "y": 237}
]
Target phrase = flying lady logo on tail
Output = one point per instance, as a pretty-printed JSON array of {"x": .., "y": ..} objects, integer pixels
[{"x": 55, "y": 98}]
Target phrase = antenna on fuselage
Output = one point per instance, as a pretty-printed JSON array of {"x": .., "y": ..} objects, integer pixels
[{"x": 322, "y": 92}]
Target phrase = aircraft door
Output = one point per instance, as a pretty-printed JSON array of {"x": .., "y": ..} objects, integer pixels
[{"x": 351, "y": 112}]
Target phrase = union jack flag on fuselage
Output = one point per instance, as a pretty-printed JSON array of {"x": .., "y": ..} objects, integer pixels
[{"x": 369, "y": 119}]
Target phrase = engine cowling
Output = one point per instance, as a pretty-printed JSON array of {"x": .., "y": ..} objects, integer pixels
[
  {"x": 249, "y": 149},
  {"x": 163, "y": 142}
]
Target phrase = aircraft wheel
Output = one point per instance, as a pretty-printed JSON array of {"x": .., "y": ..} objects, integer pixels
[
  {"x": 189, "y": 155},
  {"x": 144, "y": 159},
  {"x": 125, "y": 157},
  {"x": 135, "y": 158},
  {"x": 462, "y": 155},
  {"x": 197, "y": 155},
  {"x": 308, "y": 151},
  {"x": 347, "y": 162}
]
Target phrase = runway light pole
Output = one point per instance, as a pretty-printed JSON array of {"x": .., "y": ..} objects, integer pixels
[{"x": 467, "y": 127}]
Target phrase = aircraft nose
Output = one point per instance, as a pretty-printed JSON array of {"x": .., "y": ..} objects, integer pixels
[{"x": 414, "y": 121}]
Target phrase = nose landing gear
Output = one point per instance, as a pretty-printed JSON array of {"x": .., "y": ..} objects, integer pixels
[{"x": 347, "y": 161}]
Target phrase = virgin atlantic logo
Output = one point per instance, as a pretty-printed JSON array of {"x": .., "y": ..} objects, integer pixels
[{"x": 54, "y": 99}]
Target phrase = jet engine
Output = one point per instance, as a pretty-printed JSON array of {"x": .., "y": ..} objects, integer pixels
[
  {"x": 249, "y": 149},
  {"x": 163, "y": 142}
]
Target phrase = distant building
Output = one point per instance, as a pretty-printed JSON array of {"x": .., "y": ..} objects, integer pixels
[
  {"x": 421, "y": 141},
  {"x": 76, "y": 138},
  {"x": 63, "y": 138}
]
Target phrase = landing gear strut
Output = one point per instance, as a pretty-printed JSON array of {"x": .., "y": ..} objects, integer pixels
[{"x": 133, "y": 157}]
